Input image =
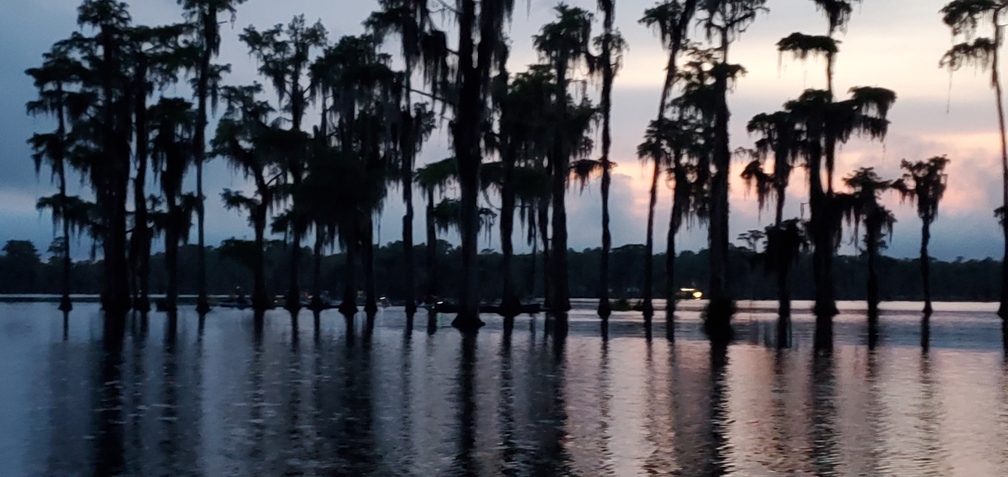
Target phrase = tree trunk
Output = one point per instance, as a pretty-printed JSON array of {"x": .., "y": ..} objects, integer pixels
[
  {"x": 115, "y": 258},
  {"x": 293, "y": 303},
  {"x": 649, "y": 249},
  {"x": 822, "y": 240},
  {"x": 142, "y": 236},
  {"x": 349, "y": 305},
  {"x": 111, "y": 187},
  {"x": 295, "y": 166},
  {"x": 681, "y": 183},
  {"x": 316, "y": 301},
  {"x": 370, "y": 298},
  {"x": 466, "y": 132},
  {"x": 547, "y": 261},
  {"x": 468, "y": 317},
  {"x": 783, "y": 269},
  {"x": 721, "y": 308},
  {"x": 65, "y": 304},
  {"x": 925, "y": 263},
  {"x": 608, "y": 78},
  {"x": 408, "y": 244},
  {"x": 781, "y": 196},
  {"x": 260, "y": 301},
  {"x": 432, "y": 288},
  {"x": 509, "y": 299},
  {"x": 560, "y": 165},
  {"x": 604, "y": 307},
  {"x": 873, "y": 292},
  {"x": 408, "y": 158},
  {"x": 561, "y": 298},
  {"x": 830, "y": 149},
  {"x": 670, "y": 291},
  {"x": 996, "y": 79},
  {"x": 171, "y": 255},
  {"x": 532, "y": 267},
  {"x": 116, "y": 265},
  {"x": 199, "y": 153}
]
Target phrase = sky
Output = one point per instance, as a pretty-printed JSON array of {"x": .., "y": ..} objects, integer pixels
[{"x": 894, "y": 44}]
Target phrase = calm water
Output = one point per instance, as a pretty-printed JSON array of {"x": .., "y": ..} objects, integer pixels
[{"x": 221, "y": 400}]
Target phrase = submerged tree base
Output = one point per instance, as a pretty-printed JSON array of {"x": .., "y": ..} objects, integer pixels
[
  {"x": 468, "y": 323},
  {"x": 717, "y": 321},
  {"x": 293, "y": 304},
  {"x": 65, "y": 304},
  {"x": 604, "y": 309},
  {"x": 510, "y": 307},
  {"x": 825, "y": 310},
  {"x": 202, "y": 305},
  {"x": 141, "y": 304},
  {"x": 348, "y": 309}
]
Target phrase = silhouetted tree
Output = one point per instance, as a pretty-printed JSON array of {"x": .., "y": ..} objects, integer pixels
[
  {"x": 364, "y": 92},
  {"x": 204, "y": 15},
  {"x": 833, "y": 125},
  {"x": 564, "y": 44},
  {"x": 420, "y": 45},
  {"x": 965, "y": 17},
  {"x": 818, "y": 117},
  {"x": 861, "y": 207},
  {"x": 671, "y": 19},
  {"x": 524, "y": 112},
  {"x": 475, "y": 62},
  {"x": 53, "y": 79},
  {"x": 173, "y": 121},
  {"x": 777, "y": 136},
  {"x": 433, "y": 179},
  {"x": 612, "y": 47},
  {"x": 284, "y": 54},
  {"x": 105, "y": 126},
  {"x": 652, "y": 150},
  {"x": 240, "y": 137},
  {"x": 725, "y": 21},
  {"x": 924, "y": 183},
  {"x": 157, "y": 55}
]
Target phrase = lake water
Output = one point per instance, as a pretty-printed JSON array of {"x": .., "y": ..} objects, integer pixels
[{"x": 220, "y": 399}]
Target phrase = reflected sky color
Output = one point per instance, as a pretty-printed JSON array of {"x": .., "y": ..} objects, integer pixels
[
  {"x": 222, "y": 399},
  {"x": 894, "y": 44}
]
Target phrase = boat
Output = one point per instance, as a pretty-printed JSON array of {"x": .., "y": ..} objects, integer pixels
[{"x": 689, "y": 294}]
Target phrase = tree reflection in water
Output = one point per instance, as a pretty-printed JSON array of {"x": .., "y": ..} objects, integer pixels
[
  {"x": 719, "y": 446},
  {"x": 506, "y": 407},
  {"x": 247, "y": 396},
  {"x": 107, "y": 421},
  {"x": 465, "y": 461},
  {"x": 824, "y": 415}
]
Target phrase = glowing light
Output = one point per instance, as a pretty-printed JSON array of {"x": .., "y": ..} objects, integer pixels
[{"x": 697, "y": 295}]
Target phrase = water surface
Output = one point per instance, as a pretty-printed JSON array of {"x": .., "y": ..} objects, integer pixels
[{"x": 222, "y": 399}]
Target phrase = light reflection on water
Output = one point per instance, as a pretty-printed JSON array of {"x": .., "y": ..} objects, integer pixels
[{"x": 221, "y": 399}]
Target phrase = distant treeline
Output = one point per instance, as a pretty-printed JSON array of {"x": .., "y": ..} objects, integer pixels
[{"x": 22, "y": 271}]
